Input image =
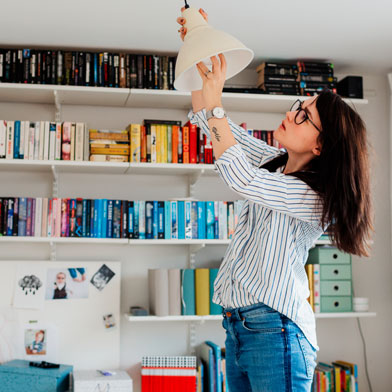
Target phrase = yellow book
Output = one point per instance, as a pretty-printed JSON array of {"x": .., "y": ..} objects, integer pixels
[
  {"x": 159, "y": 142},
  {"x": 309, "y": 273},
  {"x": 202, "y": 289},
  {"x": 153, "y": 143},
  {"x": 110, "y": 150},
  {"x": 338, "y": 387},
  {"x": 164, "y": 143},
  {"x": 134, "y": 131}
]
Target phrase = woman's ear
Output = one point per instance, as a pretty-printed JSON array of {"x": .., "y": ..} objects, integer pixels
[{"x": 316, "y": 151}]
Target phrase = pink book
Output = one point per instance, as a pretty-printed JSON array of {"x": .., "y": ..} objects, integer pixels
[
  {"x": 58, "y": 218},
  {"x": 44, "y": 228},
  {"x": 50, "y": 211}
]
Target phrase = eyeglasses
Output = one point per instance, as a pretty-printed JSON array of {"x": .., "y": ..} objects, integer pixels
[{"x": 301, "y": 115}]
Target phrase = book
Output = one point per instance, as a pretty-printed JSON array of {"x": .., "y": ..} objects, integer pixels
[
  {"x": 188, "y": 301},
  {"x": 214, "y": 308},
  {"x": 158, "y": 283},
  {"x": 202, "y": 288},
  {"x": 174, "y": 282}
]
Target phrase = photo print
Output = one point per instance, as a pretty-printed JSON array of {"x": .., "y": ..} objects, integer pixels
[
  {"x": 29, "y": 292},
  {"x": 66, "y": 283},
  {"x": 35, "y": 341},
  {"x": 102, "y": 277},
  {"x": 109, "y": 321}
]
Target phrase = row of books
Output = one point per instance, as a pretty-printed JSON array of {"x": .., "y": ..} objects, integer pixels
[
  {"x": 161, "y": 141},
  {"x": 296, "y": 78},
  {"x": 313, "y": 274},
  {"x": 86, "y": 68},
  {"x": 44, "y": 140},
  {"x": 211, "y": 370},
  {"x": 340, "y": 376},
  {"x": 186, "y": 292},
  {"x": 264, "y": 135},
  {"x": 169, "y": 373},
  {"x": 106, "y": 218}
]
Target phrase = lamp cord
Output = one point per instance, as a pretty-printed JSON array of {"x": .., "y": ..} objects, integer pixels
[{"x": 186, "y": 4}]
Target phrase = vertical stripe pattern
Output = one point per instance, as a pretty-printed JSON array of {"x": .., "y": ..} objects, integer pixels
[{"x": 279, "y": 223}]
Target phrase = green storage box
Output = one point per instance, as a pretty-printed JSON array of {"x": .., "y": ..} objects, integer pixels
[
  {"x": 335, "y": 272},
  {"x": 335, "y": 287},
  {"x": 328, "y": 255},
  {"x": 336, "y": 304}
]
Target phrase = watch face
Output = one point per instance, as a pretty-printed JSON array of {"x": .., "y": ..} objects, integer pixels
[{"x": 218, "y": 112}]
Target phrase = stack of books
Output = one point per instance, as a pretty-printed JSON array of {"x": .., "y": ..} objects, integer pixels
[
  {"x": 340, "y": 376},
  {"x": 314, "y": 77},
  {"x": 264, "y": 135},
  {"x": 86, "y": 68},
  {"x": 109, "y": 146},
  {"x": 186, "y": 292},
  {"x": 166, "y": 374},
  {"x": 44, "y": 140},
  {"x": 106, "y": 218},
  {"x": 278, "y": 78}
]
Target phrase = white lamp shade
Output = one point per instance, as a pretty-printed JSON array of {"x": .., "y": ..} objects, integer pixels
[{"x": 200, "y": 43}]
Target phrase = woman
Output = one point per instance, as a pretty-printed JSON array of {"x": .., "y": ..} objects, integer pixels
[{"x": 319, "y": 179}]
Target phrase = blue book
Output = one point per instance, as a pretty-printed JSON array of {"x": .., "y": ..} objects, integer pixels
[
  {"x": 201, "y": 219},
  {"x": 95, "y": 69},
  {"x": 206, "y": 354},
  {"x": 131, "y": 219},
  {"x": 22, "y": 216},
  {"x": 92, "y": 213},
  {"x": 99, "y": 215},
  {"x": 104, "y": 217},
  {"x": 149, "y": 213},
  {"x": 188, "y": 220},
  {"x": 84, "y": 218},
  {"x": 210, "y": 220},
  {"x": 88, "y": 217},
  {"x": 109, "y": 226},
  {"x": 16, "y": 139},
  {"x": 188, "y": 302},
  {"x": 142, "y": 219},
  {"x": 155, "y": 220},
  {"x": 96, "y": 212},
  {"x": 218, "y": 376},
  {"x": 136, "y": 225},
  {"x": 214, "y": 308},
  {"x": 216, "y": 225},
  {"x": 161, "y": 220},
  {"x": 174, "y": 226},
  {"x": 124, "y": 212},
  {"x": 167, "y": 221},
  {"x": 10, "y": 216},
  {"x": 181, "y": 219},
  {"x": 117, "y": 219}
]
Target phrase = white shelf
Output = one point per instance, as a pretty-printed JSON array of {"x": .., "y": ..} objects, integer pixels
[
  {"x": 117, "y": 241},
  {"x": 137, "y": 319},
  {"x": 171, "y": 169},
  {"x": 138, "y": 98}
]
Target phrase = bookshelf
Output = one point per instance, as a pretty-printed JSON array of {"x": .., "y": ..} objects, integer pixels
[{"x": 149, "y": 99}]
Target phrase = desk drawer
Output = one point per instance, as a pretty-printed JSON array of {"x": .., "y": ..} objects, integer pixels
[
  {"x": 335, "y": 287},
  {"x": 327, "y": 255},
  {"x": 335, "y": 272},
  {"x": 336, "y": 304}
]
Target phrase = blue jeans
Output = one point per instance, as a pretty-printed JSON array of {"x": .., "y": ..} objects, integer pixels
[{"x": 266, "y": 351}]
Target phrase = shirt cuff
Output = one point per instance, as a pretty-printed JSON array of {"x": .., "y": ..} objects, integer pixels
[{"x": 195, "y": 117}]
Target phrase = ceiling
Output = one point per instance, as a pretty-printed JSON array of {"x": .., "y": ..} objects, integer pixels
[{"x": 348, "y": 33}]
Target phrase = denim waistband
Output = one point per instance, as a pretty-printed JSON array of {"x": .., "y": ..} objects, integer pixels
[{"x": 238, "y": 313}]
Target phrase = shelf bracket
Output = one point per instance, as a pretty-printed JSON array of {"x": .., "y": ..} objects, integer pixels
[
  {"x": 55, "y": 185},
  {"x": 192, "y": 181},
  {"x": 53, "y": 253},
  {"x": 193, "y": 249},
  {"x": 57, "y": 104},
  {"x": 192, "y": 338}
]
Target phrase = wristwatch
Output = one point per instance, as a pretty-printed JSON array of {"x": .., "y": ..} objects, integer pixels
[{"x": 216, "y": 112}]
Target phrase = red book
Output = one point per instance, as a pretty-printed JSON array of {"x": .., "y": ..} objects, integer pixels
[
  {"x": 143, "y": 144},
  {"x": 185, "y": 144},
  {"x": 175, "y": 143},
  {"x": 192, "y": 142}
]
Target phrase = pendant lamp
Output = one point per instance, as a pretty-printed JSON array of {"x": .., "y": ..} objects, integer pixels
[{"x": 202, "y": 42}]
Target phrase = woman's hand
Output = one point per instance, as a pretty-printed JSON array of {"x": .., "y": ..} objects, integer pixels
[
  {"x": 182, "y": 21},
  {"x": 213, "y": 81}
]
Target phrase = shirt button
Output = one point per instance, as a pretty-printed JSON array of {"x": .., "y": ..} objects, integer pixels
[{"x": 228, "y": 314}]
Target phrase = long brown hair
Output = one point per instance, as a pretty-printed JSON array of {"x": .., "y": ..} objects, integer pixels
[{"x": 340, "y": 174}]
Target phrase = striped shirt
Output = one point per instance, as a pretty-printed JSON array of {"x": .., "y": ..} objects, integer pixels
[{"x": 278, "y": 224}]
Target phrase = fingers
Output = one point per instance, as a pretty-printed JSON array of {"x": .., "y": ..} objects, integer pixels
[
  {"x": 201, "y": 73},
  {"x": 203, "y": 14},
  {"x": 215, "y": 63},
  {"x": 181, "y": 20},
  {"x": 223, "y": 62},
  {"x": 202, "y": 67}
]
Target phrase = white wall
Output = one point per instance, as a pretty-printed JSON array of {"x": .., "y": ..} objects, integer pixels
[{"x": 338, "y": 339}]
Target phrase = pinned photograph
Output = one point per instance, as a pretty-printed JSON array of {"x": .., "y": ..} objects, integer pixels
[
  {"x": 67, "y": 283},
  {"x": 102, "y": 277},
  {"x": 29, "y": 292},
  {"x": 109, "y": 321},
  {"x": 35, "y": 341}
]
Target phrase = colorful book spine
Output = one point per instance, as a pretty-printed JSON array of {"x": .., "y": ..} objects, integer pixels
[
  {"x": 202, "y": 288},
  {"x": 188, "y": 300}
]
